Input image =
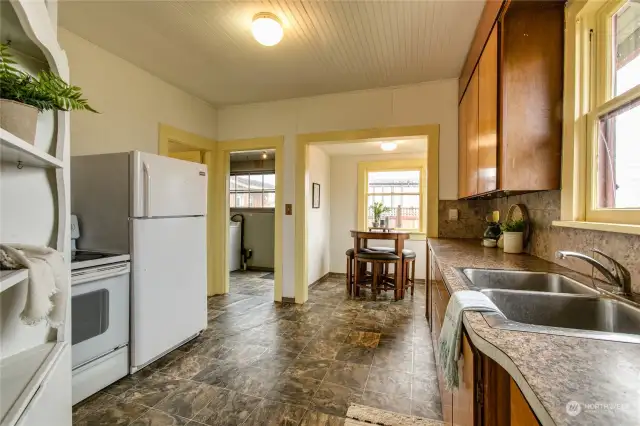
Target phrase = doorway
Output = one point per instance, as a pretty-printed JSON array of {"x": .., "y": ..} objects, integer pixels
[
  {"x": 430, "y": 132},
  {"x": 252, "y": 202},
  {"x": 220, "y": 199},
  {"x": 177, "y": 143}
]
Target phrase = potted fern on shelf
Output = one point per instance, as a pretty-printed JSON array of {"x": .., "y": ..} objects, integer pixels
[
  {"x": 22, "y": 96},
  {"x": 378, "y": 209}
]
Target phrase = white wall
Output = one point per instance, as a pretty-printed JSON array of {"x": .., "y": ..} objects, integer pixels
[
  {"x": 427, "y": 103},
  {"x": 132, "y": 103},
  {"x": 344, "y": 210},
  {"x": 319, "y": 220},
  {"x": 259, "y": 235}
]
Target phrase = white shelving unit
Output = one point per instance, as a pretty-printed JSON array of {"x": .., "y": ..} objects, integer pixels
[
  {"x": 15, "y": 150},
  {"x": 35, "y": 361},
  {"x": 22, "y": 375},
  {"x": 10, "y": 278}
]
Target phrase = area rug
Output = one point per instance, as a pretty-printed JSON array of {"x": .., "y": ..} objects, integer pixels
[
  {"x": 360, "y": 415},
  {"x": 269, "y": 276}
]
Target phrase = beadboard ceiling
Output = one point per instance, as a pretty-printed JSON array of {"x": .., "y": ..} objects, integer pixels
[{"x": 206, "y": 47}]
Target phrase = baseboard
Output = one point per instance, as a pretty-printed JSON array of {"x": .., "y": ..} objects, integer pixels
[
  {"x": 319, "y": 280},
  {"x": 337, "y": 275},
  {"x": 289, "y": 300},
  {"x": 260, "y": 269}
]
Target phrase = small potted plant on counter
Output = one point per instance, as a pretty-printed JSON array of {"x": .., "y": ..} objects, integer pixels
[
  {"x": 22, "y": 96},
  {"x": 513, "y": 231},
  {"x": 378, "y": 209}
]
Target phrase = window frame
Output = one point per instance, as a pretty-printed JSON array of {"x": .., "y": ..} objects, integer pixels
[
  {"x": 364, "y": 168},
  {"x": 588, "y": 97},
  {"x": 249, "y": 191},
  {"x": 603, "y": 102}
]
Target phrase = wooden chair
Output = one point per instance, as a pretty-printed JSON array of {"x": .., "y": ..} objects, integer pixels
[{"x": 376, "y": 281}]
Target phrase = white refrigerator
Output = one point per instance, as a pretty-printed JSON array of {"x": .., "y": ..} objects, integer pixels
[{"x": 153, "y": 208}]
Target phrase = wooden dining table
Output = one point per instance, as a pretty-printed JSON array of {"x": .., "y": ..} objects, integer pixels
[{"x": 361, "y": 241}]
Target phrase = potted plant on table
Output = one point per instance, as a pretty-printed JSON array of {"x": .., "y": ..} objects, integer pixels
[
  {"x": 513, "y": 231},
  {"x": 22, "y": 96},
  {"x": 378, "y": 209}
]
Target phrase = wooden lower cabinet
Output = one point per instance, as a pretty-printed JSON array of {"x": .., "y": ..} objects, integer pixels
[
  {"x": 486, "y": 394},
  {"x": 464, "y": 404},
  {"x": 521, "y": 413}
]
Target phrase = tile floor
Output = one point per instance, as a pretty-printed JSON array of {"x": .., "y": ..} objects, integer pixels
[{"x": 261, "y": 363}]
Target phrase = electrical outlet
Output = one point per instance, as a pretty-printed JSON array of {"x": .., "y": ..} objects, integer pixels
[
  {"x": 288, "y": 209},
  {"x": 453, "y": 214}
]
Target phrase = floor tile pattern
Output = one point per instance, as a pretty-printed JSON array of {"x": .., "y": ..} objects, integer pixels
[{"x": 265, "y": 363}]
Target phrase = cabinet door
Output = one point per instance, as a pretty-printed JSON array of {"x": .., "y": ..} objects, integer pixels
[
  {"x": 462, "y": 146},
  {"x": 472, "y": 134},
  {"x": 464, "y": 396},
  {"x": 521, "y": 413},
  {"x": 488, "y": 115}
]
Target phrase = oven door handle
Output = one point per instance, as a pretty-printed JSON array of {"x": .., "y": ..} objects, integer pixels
[{"x": 99, "y": 275}]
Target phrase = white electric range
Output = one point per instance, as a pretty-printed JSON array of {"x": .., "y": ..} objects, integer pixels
[{"x": 100, "y": 292}]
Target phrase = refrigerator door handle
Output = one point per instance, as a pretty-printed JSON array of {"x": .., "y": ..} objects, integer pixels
[{"x": 147, "y": 189}]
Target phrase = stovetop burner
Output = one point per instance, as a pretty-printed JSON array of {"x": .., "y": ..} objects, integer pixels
[{"x": 81, "y": 256}]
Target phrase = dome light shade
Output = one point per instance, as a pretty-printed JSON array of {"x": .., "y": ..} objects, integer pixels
[
  {"x": 267, "y": 29},
  {"x": 388, "y": 146}
]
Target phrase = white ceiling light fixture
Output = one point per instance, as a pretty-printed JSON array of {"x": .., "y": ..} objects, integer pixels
[
  {"x": 264, "y": 155},
  {"x": 388, "y": 146},
  {"x": 267, "y": 29}
]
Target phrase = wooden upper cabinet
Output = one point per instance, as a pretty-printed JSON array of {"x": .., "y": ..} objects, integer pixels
[
  {"x": 532, "y": 80},
  {"x": 488, "y": 115},
  {"x": 512, "y": 101},
  {"x": 472, "y": 135},
  {"x": 462, "y": 148}
]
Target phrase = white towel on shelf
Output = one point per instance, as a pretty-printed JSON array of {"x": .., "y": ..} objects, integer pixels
[
  {"x": 451, "y": 333},
  {"x": 48, "y": 283}
]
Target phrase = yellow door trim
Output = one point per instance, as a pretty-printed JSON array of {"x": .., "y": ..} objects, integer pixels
[
  {"x": 220, "y": 198},
  {"x": 430, "y": 131},
  {"x": 168, "y": 134}
]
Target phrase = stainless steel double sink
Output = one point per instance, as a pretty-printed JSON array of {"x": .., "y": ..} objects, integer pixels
[{"x": 550, "y": 303}]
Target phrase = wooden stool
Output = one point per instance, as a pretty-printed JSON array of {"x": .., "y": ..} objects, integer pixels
[
  {"x": 377, "y": 282},
  {"x": 409, "y": 260},
  {"x": 350, "y": 268}
]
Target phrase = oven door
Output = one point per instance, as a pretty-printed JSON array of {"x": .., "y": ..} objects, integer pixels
[{"x": 99, "y": 311}]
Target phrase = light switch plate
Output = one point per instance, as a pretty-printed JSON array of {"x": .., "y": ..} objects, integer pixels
[{"x": 453, "y": 214}]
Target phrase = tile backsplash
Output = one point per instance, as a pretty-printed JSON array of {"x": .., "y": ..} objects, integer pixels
[{"x": 544, "y": 207}]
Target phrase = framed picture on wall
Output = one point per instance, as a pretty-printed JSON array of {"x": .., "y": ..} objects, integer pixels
[{"x": 315, "y": 196}]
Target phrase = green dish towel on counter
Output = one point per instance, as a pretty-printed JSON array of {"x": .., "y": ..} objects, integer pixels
[{"x": 451, "y": 334}]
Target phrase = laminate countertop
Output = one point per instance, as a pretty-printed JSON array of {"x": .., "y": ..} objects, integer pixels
[{"x": 551, "y": 370}]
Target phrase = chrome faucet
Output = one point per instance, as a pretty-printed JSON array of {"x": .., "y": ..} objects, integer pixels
[{"x": 619, "y": 277}]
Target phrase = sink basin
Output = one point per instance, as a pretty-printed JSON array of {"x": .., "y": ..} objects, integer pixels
[
  {"x": 565, "y": 314},
  {"x": 524, "y": 280}
]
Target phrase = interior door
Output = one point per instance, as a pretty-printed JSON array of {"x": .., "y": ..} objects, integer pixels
[
  {"x": 169, "y": 284},
  {"x": 164, "y": 186}
]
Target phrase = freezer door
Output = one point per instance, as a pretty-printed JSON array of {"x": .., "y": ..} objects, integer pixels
[
  {"x": 169, "y": 284},
  {"x": 165, "y": 187}
]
